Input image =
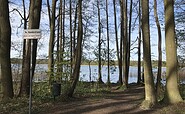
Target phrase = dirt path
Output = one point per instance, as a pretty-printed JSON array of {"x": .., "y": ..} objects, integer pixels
[{"x": 116, "y": 102}]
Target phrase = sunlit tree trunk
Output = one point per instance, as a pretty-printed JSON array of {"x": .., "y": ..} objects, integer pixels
[
  {"x": 150, "y": 97},
  {"x": 5, "y": 44},
  {"x": 172, "y": 94},
  {"x": 125, "y": 43}
]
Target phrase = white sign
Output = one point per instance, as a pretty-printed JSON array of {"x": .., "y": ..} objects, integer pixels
[{"x": 32, "y": 34}]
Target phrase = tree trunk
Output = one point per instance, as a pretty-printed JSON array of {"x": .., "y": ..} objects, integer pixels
[
  {"x": 117, "y": 45},
  {"x": 71, "y": 40},
  {"x": 74, "y": 30},
  {"x": 63, "y": 28},
  {"x": 58, "y": 57},
  {"x": 24, "y": 52},
  {"x": 172, "y": 94},
  {"x": 78, "y": 53},
  {"x": 129, "y": 40},
  {"x": 139, "y": 47},
  {"x": 99, "y": 44},
  {"x": 34, "y": 22},
  {"x": 150, "y": 97},
  {"x": 121, "y": 41},
  {"x": 108, "y": 55},
  {"x": 61, "y": 52},
  {"x": 52, "y": 38},
  {"x": 59, "y": 42},
  {"x": 5, "y": 44},
  {"x": 35, "y": 25},
  {"x": 125, "y": 43},
  {"x": 24, "y": 78},
  {"x": 158, "y": 83}
]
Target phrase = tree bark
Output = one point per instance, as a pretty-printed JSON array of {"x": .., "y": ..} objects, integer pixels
[
  {"x": 139, "y": 47},
  {"x": 158, "y": 83},
  {"x": 172, "y": 94},
  {"x": 108, "y": 54},
  {"x": 34, "y": 22},
  {"x": 99, "y": 44},
  {"x": 52, "y": 38},
  {"x": 125, "y": 43},
  {"x": 71, "y": 40},
  {"x": 78, "y": 53},
  {"x": 24, "y": 78},
  {"x": 121, "y": 41},
  {"x": 150, "y": 97},
  {"x": 35, "y": 25},
  {"x": 5, "y": 44},
  {"x": 74, "y": 30},
  {"x": 129, "y": 40},
  {"x": 117, "y": 45},
  {"x": 61, "y": 52}
]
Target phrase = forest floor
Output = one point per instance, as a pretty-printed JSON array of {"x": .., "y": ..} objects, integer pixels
[{"x": 117, "y": 101}]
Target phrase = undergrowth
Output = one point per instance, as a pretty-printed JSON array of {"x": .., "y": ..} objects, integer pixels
[
  {"x": 42, "y": 97},
  {"x": 85, "y": 89}
]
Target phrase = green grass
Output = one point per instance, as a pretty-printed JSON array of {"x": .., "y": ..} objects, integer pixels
[{"x": 91, "y": 89}]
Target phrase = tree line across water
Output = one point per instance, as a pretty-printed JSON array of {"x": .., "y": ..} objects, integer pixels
[{"x": 86, "y": 62}]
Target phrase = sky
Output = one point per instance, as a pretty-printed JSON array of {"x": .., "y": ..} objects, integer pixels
[{"x": 17, "y": 31}]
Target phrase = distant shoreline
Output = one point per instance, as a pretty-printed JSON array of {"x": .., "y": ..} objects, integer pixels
[{"x": 86, "y": 62}]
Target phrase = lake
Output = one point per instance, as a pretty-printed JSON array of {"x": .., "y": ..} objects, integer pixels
[
  {"x": 114, "y": 73},
  {"x": 85, "y": 73},
  {"x": 41, "y": 75}
]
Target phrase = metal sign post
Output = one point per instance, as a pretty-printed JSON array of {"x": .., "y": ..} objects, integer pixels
[
  {"x": 30, "y": 95},
  {"x": 31, "y": 34}
]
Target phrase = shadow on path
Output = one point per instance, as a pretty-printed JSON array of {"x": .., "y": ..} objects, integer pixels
[{"x": 115, "y": 102}]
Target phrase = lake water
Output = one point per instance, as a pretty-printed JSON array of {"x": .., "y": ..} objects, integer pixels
[
  {"x": 114, "y": 73},
  {"x": 41, "y": 75},
  {"x": 85, "y": 73}
]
